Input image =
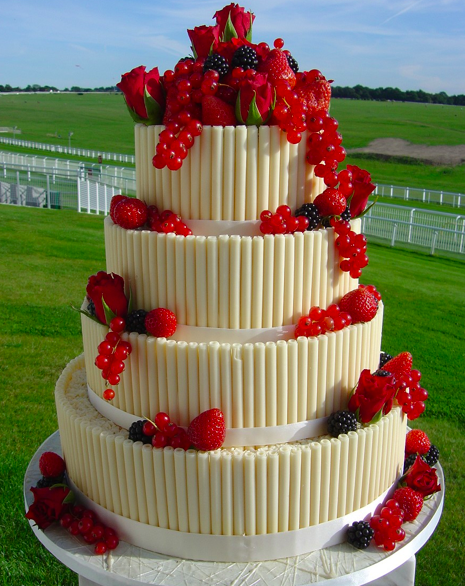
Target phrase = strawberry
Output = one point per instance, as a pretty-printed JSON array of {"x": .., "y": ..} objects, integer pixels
[
  {"x": 160, "y": 322},
  {"x": 360, "y": 304},
  {"x": 207, "y": 431},
  {"x": 331, "y": 202},
  {"x": 315, "y": 90},
  {"x": 215, "y": 112},
  {"x": 410, "y": 501},
  {"x": 277, "y": 67},
  {"x": 400, "y": 365},
  {"x": 130, "y": 213},
  {"x": 114, "y": 202},
  {"x": 417, "y": 442},
  {"x": 51, "y": 465}
]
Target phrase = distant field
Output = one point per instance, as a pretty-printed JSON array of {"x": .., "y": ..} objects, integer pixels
[{"x": 101, "y": 121}]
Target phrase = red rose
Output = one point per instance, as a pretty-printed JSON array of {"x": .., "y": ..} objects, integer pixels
[
  {"x": 363, "y": 188},
  {"x": 109, "y": 288},
  {"x": 234, "y": 22},
  {"x": 204, "y": 39},
  {"x": 422, "y": 478},
  {"x": 255, "y": 100},
  {"x": 373, "y": 395},
  {"x": 48, "y": 505},
  {"x": 144, "y": 94}
]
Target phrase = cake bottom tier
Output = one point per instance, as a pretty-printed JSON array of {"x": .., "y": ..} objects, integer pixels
[{"x": 235, "y": 504}]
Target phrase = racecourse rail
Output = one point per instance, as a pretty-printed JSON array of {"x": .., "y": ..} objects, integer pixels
[{"x": 88, "y": 187}]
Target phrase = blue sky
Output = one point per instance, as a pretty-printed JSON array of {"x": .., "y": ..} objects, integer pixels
[{"x": 409, "y": 44}]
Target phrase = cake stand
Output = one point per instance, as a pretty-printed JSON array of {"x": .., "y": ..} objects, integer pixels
[{"x": 339, "y": 565}]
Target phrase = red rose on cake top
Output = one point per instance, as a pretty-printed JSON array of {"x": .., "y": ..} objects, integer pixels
[{"x": 144, "y": 94}]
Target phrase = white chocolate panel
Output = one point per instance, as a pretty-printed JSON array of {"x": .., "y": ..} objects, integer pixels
[
  {"x": 231, "y": 173},
  {"x": 228, "y": 491},
  {"x": 254, "y": 384},
  {"x": 229, "y": 281}
]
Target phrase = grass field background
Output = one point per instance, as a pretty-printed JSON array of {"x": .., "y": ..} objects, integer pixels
[
  {"x": 101, "y": 122},
  {"x": 47, "y": 257}
]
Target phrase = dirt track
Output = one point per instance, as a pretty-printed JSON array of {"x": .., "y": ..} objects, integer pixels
[{"x": 432, "y": 155}]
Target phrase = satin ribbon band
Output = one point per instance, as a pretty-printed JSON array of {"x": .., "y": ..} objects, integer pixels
[
  {"x": 230, "y": 548},
  {"x": 235, "y": 437}
]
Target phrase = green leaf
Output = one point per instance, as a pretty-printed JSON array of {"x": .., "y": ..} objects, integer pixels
[
  {"x": 136, "y": 116},
  {"x": 70, "y": 498},
  {"x": 130, "y": 300},
  {"x": 254, "y": 118},
  {"x": 229, "y": 31},
  {"x": 87, "y": 314},
  {"x": 109, "y": 315},
  {"x": 366, "y": 210},
  {"x": 377, "y": 417},
  {"x": 154, "y": 110}
]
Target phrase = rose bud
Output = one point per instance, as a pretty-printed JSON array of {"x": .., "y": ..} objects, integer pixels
[
  {"x": 234, "y": 22},
  {"x": 144, "y": 95},
  {"x": 204, "y": 39},
  {"x": 255, "y": 100}
]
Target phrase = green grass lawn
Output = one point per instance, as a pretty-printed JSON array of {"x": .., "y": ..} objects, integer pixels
[
  {"x": 101, "y": 122},
  {"x": 47, "y": 257}
]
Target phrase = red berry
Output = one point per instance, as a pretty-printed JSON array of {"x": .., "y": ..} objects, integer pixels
[
  {"x": 131, "y": 213},
  {"x": 114, "y": 379},
  {"x": 66, "y": 520},
  {"x": 117, "y": 325},
  {"x": 115, "y": 200},
  {"x": 400, "y": 365},
  {"x": 160, "y": 440},
  {"x": 102, "y": 361},
  {"x": 207, "y": 431},
  {"x": 51, "y": 465},
  {"x": 160, "y": 322},
  {"x": 101, "y": 548},
  {"x": 112, "y": 542},
  {"x": 108, "y": 394},
  {"x": 410, "y": 501},
  {"x": 149, "y": 428},
  {"x": 417, "y": 442},
  {"x": 360, "y": 304},
  {"x": 85, "y": 525},
  {"x": 112, "y": 338},
  {"x": 74, "y": 528}
]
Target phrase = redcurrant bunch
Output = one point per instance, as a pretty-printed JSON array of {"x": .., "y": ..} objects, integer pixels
[
  {"x": 112, "y": 353},
  {"x": 166, "y": 222},
  {"x": 290, "y": 112},
  {"x": 352, "y": 248},
  {"x": 166, "y": 433},
  {"x": 410, "y": 395},
  {"x": 84, "y": 522},
  {"x": 324, "y": 148},
  {"x": 282, "y": 222},
  {"x": 388, "y": 525},
  {"x": 319, "y": 321}
]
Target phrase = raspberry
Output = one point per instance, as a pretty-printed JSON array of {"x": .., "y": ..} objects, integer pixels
[
  {"x": 410, "y": 501},
  {"x": 160, "y": 322},
  {"x": 130, "y": 213},
  {"x": 51, "y": 465},
  {"x": 360, "y": 304},
  {"x": 207, "y": 431},
  {"x": 417, "y": 442}
]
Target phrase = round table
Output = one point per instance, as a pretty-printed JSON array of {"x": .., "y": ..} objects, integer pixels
[{"x": 340, "y": 565}]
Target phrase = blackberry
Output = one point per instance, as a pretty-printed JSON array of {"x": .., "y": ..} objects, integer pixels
[
  {"x": 91, "y": 308},
  {"x": 135, "y": 432},
  {"x": 432, "y": 456},
  {"x": 383, "y": 358},
  {"x": 310, "y": 211},
  {"x": 245, "y": 57},
  {"x": 341, "y": 422},
  {"x": 292, "y": 63},
  {"x": 48, "y": 482},
  {"x": 346, "y": 215},
  {"x": 359, "y": 534},
  {"x": 382, "y": 373},
  {"x": 409, "y": 461},
  {"x": 135, "y": 321},
  {"x": 217, "y": 63}
]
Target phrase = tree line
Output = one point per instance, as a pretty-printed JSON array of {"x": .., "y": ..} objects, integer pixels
[{"x": 358, "y": 92}]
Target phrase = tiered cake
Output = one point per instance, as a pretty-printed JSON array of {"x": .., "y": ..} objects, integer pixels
[{"x": 279, "y": 485}]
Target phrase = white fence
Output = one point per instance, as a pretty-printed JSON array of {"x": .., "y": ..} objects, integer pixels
[
  {"x": 67, "y": 150},
  {"x": 456, "y": 200},
  {"x": 420, "y": 227}
]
